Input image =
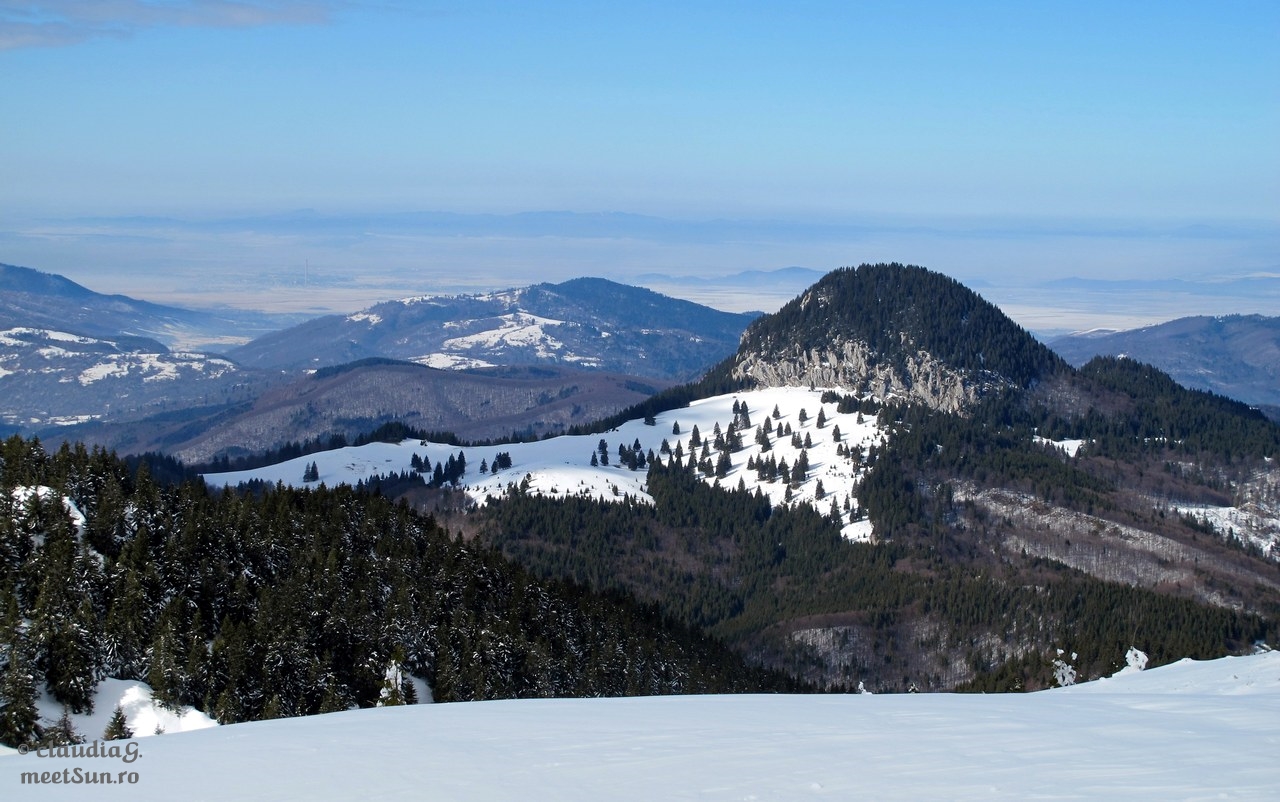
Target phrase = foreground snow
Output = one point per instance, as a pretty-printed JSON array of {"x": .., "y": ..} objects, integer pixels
[{"x": 1190, "y": 730}]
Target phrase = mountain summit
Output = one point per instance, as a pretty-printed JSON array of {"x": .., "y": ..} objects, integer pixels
[{"x": 891, "y": 330}]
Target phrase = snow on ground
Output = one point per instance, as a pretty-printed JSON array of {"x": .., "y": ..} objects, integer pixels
[
  {"x": 517, "y": 329},
  {"x": 450, "y": 361},
  {"x": 22, "y": 493},
  {"x": 142, "y": 715},
  {"x": 1068, "y": 447},
  {"x": 1254, "y": 524},
  {"x": 1189, "y": 730},
  {"x": 562, "y": 467}
]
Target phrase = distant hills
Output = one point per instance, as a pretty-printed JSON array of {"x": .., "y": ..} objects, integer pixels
[
  {"x": 1237, "y": 356},
  {"x": 585, "y": 323}
]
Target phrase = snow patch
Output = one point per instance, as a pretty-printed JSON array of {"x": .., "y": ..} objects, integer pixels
[{"x": 1069, "y": 447}]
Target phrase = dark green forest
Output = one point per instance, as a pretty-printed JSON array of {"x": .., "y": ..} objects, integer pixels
[
  {"x": 751, "y": 574},
  {"x": 291, "y": 602}
]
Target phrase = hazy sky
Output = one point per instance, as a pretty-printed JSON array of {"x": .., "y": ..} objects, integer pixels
[{"x": 1002, "y": 142}]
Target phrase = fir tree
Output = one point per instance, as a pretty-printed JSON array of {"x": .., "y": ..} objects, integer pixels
[
  {"x": 62, "y": 733},
  {"x": 19, "y": 717},
  {"x": 118, "y": 727}
]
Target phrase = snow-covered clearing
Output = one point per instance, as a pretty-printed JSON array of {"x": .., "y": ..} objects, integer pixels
[
  {"x": 562, "y": 467},
  {"x": 1068, "y": 447},
  {"x": 1189, "y": 730}
]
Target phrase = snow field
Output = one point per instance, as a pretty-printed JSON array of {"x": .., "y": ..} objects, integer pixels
[{"x": 1188, "y": 730}]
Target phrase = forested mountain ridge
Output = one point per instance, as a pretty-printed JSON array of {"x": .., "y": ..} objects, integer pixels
[
  {"x": 345, "y": 401},
  {"x": 890, "y": 330}
]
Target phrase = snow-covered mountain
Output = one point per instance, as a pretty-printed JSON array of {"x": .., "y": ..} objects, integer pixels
[
  {"x": 587, "y": 323},
  {"x": 52, "y": 377},
  {"x": 1182, "y": 731}
]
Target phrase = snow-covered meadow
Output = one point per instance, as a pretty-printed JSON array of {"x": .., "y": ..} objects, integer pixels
[
  {"x": 561, "y": 466},
  {"x": 1185, "y": 731}
]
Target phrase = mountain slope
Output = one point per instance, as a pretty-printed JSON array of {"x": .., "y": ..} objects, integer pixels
[
  {"x": 893, "y": 331},
  {"x": 50, "y": 378},
  {"x": 1236, "y": 356},
  {"x": 32, "y": 299},
  {"x": 587, "y": 323}
]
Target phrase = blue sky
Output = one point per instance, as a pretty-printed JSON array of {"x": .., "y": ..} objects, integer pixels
[{"x": 998, "y": 142}]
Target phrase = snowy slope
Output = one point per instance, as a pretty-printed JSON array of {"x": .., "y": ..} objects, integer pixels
[
  {"x": 1189, "y": 730},
  {"x": 51, "y": 377},
  {"x": 562, "y": 466}
]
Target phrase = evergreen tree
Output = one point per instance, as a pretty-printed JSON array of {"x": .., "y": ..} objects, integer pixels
[
  {"x": 19, "y": 717},
  {"x": 118, "y": 727},
  {"x": 62, "y": 733}
]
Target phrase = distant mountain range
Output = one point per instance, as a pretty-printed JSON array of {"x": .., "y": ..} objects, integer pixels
[
  {"x": 1237, "y": 356},
  {"x": 79, "y": 365},
  {"x": 586, "y": 323}
]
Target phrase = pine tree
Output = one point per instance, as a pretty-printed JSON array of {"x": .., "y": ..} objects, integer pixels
[
  {"x": 118, "y": 727},
  {"x": 62, "y": 733},
  {"x": 19, "y": 717}
]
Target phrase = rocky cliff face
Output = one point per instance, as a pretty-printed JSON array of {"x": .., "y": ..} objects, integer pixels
[{"x": 853, "y": 366}]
